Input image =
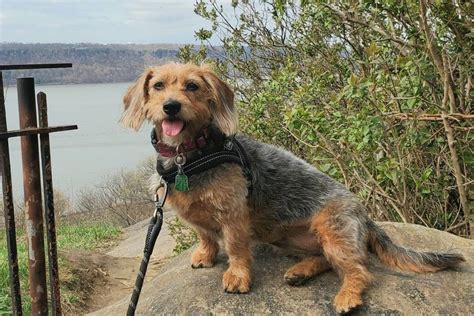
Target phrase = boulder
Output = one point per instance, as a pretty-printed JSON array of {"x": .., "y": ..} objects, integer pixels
[
  {"x": 179, "y": 289},
  {"x": 133, "y": 241}
]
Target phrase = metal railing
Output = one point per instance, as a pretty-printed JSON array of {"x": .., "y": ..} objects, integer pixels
[{"x": 33, "y": 172}]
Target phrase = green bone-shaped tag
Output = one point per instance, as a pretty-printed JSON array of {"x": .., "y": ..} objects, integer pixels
[{"x": 181, "y": 182}]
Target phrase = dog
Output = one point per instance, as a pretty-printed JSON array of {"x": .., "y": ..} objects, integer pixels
[{"x": 284, "y": 201}]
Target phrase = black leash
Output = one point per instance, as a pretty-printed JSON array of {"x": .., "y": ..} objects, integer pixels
[{"x": 154, "y": 229}]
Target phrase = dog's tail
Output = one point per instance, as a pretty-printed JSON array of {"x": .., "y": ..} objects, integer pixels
[{"x": 406, "y": 259}]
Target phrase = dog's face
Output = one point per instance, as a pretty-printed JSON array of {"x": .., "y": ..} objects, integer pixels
[{"x": 180, "y": 99}]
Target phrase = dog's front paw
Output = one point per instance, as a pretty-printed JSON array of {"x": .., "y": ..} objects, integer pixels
[
  {"x": 238, "y": 283},
  {"x": 202, "y": 259},
  {"x": 346, "y": 301}
]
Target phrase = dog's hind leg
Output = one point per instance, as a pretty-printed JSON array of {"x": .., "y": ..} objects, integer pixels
[
  {"x": 342, "y": 232},
  {"x": 306, "y": 269}
]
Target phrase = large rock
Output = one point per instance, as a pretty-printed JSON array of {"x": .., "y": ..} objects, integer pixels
[
  {"x": 133, "y": 240},
  {"x": 178, "y": 289}
]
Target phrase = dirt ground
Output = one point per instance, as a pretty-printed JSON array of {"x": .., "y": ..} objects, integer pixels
[
  {"x": 105, "y": 279},
  {"x": 108, "y": 276}
]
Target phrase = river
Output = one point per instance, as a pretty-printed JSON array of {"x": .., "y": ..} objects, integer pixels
[{"x": 100, "y": 147}]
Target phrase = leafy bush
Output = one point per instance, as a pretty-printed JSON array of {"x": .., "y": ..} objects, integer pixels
[
  {"x": 375, "y": 93},
  {"x": 184, "y": 236}
]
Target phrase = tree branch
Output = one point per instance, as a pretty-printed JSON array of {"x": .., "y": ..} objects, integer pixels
[
  {"x": 400, "y": 44},
  {"x": 430, "y": 117}
]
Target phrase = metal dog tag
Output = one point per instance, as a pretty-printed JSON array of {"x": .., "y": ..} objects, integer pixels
[{"x": 181, "y": 180}]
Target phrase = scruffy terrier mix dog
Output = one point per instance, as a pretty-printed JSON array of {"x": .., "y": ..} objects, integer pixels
[{"x": 284, "y": 201}]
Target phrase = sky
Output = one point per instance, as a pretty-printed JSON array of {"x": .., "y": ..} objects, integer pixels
[{"x": 101, "y": 21}]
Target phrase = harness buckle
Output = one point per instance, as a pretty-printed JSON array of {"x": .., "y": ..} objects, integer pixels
[{"x": 229, "y": 144}]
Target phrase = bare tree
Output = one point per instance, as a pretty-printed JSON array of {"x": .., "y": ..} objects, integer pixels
[{"x": 123, "y": 197}]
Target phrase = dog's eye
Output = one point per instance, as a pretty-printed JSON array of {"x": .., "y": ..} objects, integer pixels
[
  {"x": 191, "y": 86},
  {"x": 159, "y": 85}
]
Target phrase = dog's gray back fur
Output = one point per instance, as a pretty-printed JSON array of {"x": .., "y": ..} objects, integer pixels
[{"x": 285, "y": 186}]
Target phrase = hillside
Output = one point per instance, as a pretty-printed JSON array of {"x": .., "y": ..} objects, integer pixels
[{"x": 92, "y": 63}]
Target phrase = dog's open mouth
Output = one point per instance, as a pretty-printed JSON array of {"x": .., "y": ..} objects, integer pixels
[{"x": 172, "y": 127}]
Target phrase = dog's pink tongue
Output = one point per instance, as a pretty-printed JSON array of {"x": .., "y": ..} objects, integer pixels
[{"x": 172, "y": 128}]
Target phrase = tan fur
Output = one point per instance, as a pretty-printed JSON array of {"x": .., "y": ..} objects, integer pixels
[
  {"x": 205, "y": 255},
  {"x": 345, "y": 257},
  {"x": 220, "y": 213},
  {"x": 394, "y": 261},
  {"x": 306, "y": 269},
  {"x": 142, "y": 102}
]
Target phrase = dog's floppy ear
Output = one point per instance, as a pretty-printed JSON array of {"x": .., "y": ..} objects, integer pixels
[
  {"x": 134, "y": 101},
  {"x": 222, "y": 103}
]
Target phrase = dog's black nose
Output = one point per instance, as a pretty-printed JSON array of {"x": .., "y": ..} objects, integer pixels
[{"x": 171, "y": 107}]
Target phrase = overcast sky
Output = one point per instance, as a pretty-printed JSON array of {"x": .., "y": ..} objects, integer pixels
[{"x": 100, "y": 21}]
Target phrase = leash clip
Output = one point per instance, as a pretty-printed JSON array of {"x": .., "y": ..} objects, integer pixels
[{"x": 160, "y": 200}]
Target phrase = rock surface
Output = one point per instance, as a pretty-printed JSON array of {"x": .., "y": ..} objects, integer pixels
[
  {"x": 133, "y": 241},
  {"x": 178, "y": 289}
]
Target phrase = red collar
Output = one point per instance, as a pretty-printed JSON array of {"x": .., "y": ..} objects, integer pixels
[{"x": 168, "y": 151}]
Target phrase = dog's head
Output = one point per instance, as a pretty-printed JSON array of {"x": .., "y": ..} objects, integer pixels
[{"x": 180, "y": 100}]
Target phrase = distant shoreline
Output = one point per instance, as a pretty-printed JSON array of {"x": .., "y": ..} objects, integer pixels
[
  {"x": 68, "y": 84},
  {"x": 92, "y": 63},
  {"x": 163, "y": 45}
]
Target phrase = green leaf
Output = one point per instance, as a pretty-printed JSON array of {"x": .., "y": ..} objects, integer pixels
[
  {"x": 372, "y": 49},
  {"x": 411, "y": 103}
]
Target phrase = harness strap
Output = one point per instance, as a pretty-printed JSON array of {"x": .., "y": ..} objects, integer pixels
[{"x": 232, "y": 153}]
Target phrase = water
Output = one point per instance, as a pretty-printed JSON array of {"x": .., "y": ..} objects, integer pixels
[{"x": 100, "y": 147}]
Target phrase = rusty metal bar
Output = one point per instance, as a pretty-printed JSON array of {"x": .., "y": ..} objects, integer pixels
[
  {"x": 32, "y": 193},
  {"x": 39, "y": 130},
  {"x": 9, "y": 210},
  {"x": 35, "y": 66},
  {"x": 49, "y": 206}
]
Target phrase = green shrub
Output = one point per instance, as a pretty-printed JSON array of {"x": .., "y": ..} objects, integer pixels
[
  {"x": 356, "y": 89},
  {"x": 184, "y": 236}
]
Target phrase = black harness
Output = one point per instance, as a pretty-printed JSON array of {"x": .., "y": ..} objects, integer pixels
[{"x": 221, "y": 150}]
